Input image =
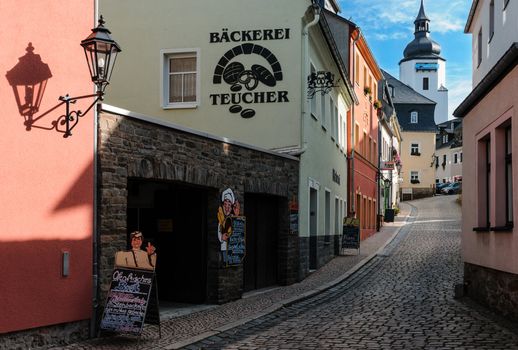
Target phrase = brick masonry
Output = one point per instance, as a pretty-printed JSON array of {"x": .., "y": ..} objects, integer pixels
[
  {"x": 496, "y": 289},
  {"x": 132, "y": 148}
]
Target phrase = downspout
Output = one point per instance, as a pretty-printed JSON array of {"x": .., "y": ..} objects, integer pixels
[
  {"x": 353, "y": 128},
  {"x": 95, "y": 238},
  {"x": 304, "y": 71}
]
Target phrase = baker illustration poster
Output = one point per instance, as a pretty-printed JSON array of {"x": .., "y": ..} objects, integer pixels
[{"x": 228, "y": 208}]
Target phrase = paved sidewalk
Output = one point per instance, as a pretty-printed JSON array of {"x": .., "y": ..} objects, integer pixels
[{"x": 187, "y": 329}]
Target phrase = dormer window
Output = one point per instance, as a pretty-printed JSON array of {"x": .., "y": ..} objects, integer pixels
[
  {"x": 413, "y": 117},
  {"x": 445, "y": 138}
]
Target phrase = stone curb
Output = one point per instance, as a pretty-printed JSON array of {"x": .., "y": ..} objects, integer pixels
[{"x": 289, "y": 301}]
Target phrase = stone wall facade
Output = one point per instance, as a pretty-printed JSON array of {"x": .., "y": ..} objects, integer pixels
[
  {"x": 44, "y": 337},
  {"x": 327, "y": 248},
  {"x": 417, "y": 193},
  {"x": 497, "y": 290},
  {"x": 131, "y": 148}
]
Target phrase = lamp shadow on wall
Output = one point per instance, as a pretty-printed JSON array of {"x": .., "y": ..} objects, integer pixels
[{"x": 28, "y": 79}]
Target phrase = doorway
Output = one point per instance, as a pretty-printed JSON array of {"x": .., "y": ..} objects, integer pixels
[
  {"x": 262, "y": 227},
  {"x": 313, "y": 215},
  {"x": 173, "y": 217}
]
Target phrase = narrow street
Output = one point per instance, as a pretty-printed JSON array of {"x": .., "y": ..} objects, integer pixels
[{"x": 402, "y": 299}]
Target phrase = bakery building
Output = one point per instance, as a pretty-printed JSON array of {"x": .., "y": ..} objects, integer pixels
[{"x": 210, "y": 120}]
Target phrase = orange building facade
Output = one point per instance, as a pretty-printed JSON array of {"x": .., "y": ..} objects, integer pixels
[
  {"x": 362, "y": 124},
  {"x": 47, "y": 191}
]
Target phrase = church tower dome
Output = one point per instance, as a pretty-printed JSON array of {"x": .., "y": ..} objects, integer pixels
[{"x": 422, "y": 46}]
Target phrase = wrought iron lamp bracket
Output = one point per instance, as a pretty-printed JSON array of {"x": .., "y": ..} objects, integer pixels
[{"x": 322, "y": 82}]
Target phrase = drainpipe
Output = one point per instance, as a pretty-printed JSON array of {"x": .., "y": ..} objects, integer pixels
[
  {"x": 95, "y": 238},
  {"x": 304, "y": 71},
  {"x": 353, "y": 128}
]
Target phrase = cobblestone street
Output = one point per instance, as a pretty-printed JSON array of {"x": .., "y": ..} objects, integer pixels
[{"x": 402, "y": 299}]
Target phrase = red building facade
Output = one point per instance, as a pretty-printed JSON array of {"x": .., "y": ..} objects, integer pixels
[{"x": 47, "y": 192}]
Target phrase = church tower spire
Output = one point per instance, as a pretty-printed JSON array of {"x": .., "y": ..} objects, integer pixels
[
  {"x": 423, "y": 68},
  {"x": 422, "y": 22}
]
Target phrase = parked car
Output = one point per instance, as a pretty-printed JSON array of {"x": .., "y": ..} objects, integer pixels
[
  {"x": 440, "y": 185},
  {"x": 453, "y": 188}
]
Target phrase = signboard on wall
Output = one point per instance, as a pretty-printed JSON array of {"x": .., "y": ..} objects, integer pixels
[
  {"x": 250, "y": 70},
  {"x": 426, "y": 66},
  {"x": 236, "y": 245}
]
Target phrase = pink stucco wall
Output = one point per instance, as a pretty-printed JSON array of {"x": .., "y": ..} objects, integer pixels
[
  {"x": 496, "y": 250},
  {"x": 46, "y": 189}
]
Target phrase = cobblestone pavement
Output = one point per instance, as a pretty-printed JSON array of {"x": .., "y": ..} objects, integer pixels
[
  {"x": 402, "y": 299},
  {"x": 185, "y": 329}
]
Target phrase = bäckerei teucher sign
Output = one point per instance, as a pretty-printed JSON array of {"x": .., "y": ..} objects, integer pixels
[{"x": 244, "y": 81}]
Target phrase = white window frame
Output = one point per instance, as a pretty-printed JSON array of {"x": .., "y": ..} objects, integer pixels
[
  {"x": 165, "y": 54},
  {"x": 414, "y": 114},
  {"x": 412, "y": 146},
  {"x": 412, "y": 175}
]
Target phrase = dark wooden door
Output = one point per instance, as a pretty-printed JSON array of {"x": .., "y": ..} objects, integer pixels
[{"x": 261, "y": 261}]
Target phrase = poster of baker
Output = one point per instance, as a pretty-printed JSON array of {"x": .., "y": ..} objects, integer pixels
[
  {"x": 136, "y": 256},
  {"x": 231, "y": 229}
]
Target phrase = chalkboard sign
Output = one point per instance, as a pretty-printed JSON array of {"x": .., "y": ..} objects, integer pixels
[
  {"x": 127, "y": 301},
  {"x": 351, "y": 237},
  {"x": 236, "y": 247}
]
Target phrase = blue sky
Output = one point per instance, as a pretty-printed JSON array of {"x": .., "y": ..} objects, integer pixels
[{"x": 388, "y": 26}]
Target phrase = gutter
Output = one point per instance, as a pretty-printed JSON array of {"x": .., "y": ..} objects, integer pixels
[
  {"x": 304, "y": 73},
  {"x": 95, "y": 235}
]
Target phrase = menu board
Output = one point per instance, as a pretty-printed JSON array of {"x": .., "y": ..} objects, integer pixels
[
  {"x": 236, "y": 248},
  {"x": 351, "y": 237},
  {"x": 127, "y": 300}
]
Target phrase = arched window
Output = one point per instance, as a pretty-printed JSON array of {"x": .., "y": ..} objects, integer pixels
[{"x": 413, "y": 117}]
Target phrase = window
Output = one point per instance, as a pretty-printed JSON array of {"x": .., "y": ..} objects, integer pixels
[
  {"x": 337, "y": 216},
  {"x": 455, "y": 158},
  {"x": 414, "y": 149},
  {"x": 425, "y": 83},
  {"x": 483, "y": 183},
  {"x": 443, "y": 161},
  {"x": 491, "y": 19},
  {"x": 413, "y": 117},
  {"x": 391, "y": 88},
  {"x": 509, "y": 176},
  {"x": 327, "y": 219},
  {"x": 323, "y": 110},
  {"x": 461, "y": 157},
  {"x": 374, "y": 152},
  {"x": 332, "y": 117},
  {"x": 445, "y": 138},
  {"x": 337, "y": 124},
  {"x": 180, "y": 78},
  {"x": 414, "y": 177},
  {"x": 357, "y": 70},
  {"x": 479, "y": 48},
  {"x": 313, "y": 102},
  {"x": 364, "y": 144},
  {"x": 364, "y": 77},
  {"x": 357, "y": 137}
]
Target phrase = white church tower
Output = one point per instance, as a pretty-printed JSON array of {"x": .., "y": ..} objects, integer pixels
[{"x": 423, "y": 69}]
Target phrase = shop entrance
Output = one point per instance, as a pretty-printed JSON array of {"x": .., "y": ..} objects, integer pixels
[
  {"x": 262, "y": 223},
  {"x": 173, "y": 217}
]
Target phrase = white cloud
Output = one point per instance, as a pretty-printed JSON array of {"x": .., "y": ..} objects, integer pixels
[{"x": 458, "y": 90}]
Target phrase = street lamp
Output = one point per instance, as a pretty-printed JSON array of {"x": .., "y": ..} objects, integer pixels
[{"x": 100, "y": 51}]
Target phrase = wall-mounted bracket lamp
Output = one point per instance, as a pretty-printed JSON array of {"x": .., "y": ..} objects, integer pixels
[
  {"x": 29, "y": 79},
  {"x": 320, "y": 81}
]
